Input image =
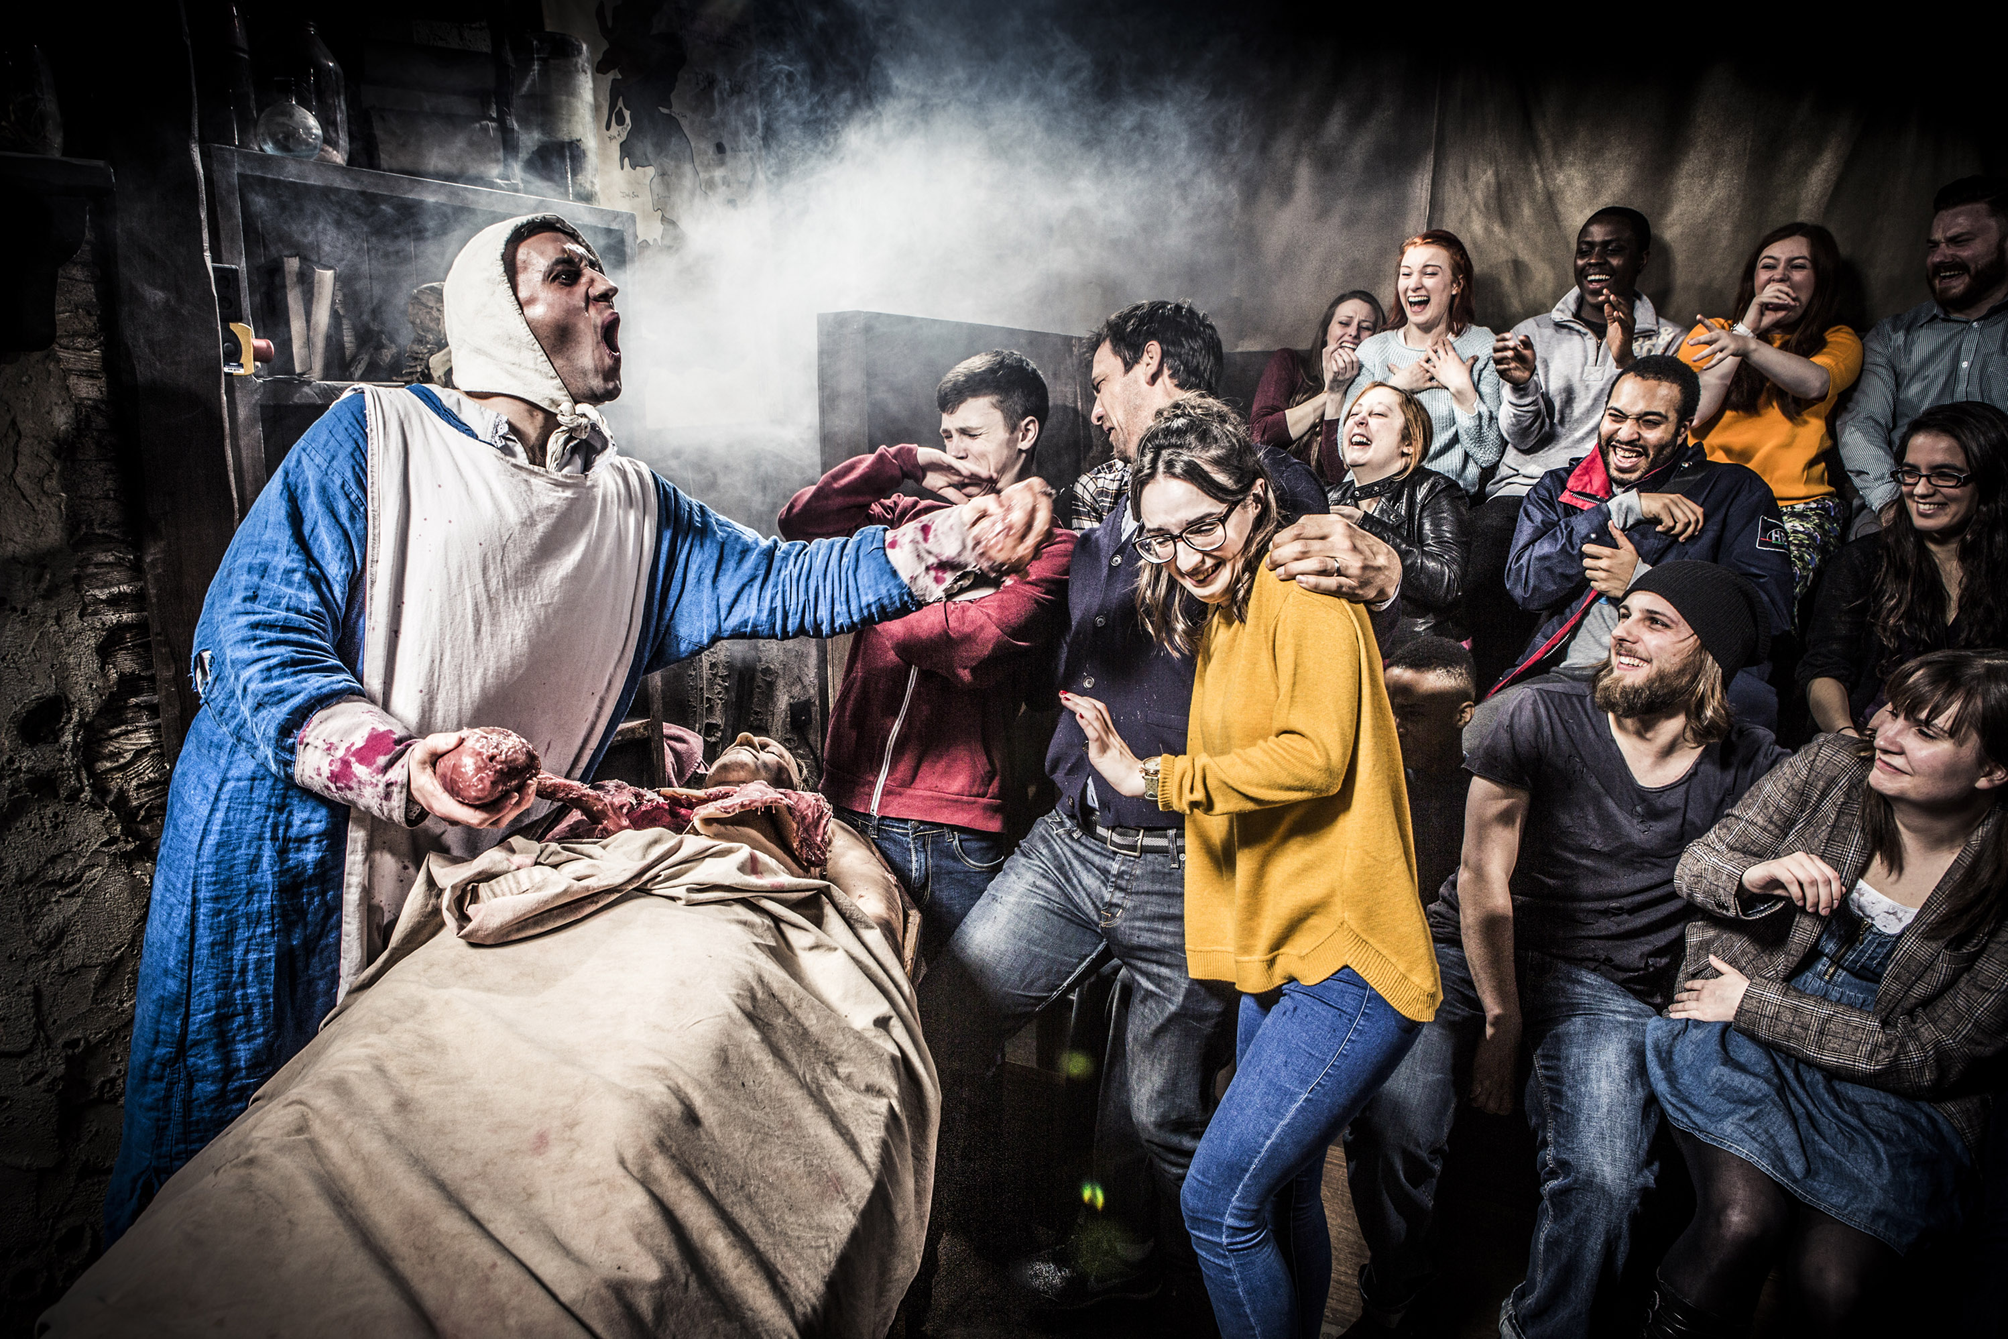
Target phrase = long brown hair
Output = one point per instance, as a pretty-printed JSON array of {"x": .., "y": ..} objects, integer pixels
[
  {"x": 1749, "y": 387},
  {"x": 1463, "y": 307},
  {"x": 1907, "y": 610},
  {"x": 1311, "y": 369},
  {"x": 1203, "y": 442},
  {"x": 1969, "y": 690}
]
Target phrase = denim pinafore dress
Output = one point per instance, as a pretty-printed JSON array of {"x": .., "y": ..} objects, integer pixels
[{"x": 1887, "y": 1165}]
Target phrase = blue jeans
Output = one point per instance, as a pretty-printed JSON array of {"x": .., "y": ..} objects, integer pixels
[
  {"x": 1060, "y": 906},
  {"x": 945, "y": 868},
  {"x": 1593, "y": 1116},
  {"x": 1307, "y": 1058}
]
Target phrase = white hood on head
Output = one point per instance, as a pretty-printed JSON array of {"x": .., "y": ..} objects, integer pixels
[{"x": 494, "y": 352}]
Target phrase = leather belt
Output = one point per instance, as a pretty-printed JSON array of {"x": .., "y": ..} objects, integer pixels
[{"x": 1135, "y": 841}]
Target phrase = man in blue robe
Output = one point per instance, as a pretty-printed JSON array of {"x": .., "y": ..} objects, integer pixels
[{"x": 426, "y": 560}]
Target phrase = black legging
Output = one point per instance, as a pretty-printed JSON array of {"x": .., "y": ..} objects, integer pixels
[{"x": 1744, "y": 1222}]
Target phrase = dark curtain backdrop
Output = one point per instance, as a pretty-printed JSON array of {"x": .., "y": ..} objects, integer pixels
[{"x": 1367, "y": 151}]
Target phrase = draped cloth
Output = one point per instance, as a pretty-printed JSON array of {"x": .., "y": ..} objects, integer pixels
[{"x": 702, "y": 1108}]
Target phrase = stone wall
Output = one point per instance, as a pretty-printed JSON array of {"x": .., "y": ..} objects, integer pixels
[{"x": 82, "y": 789}]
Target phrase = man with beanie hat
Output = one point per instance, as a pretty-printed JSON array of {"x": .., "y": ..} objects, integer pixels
[
  {"x": 423, "y": 561},
  {"x": 1561, "y": 932}
]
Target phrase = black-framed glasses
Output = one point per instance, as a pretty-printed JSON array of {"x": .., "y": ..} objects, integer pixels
[
  {"x": 1203, "y": 536},
  {"x": 1944, "y": 477}
]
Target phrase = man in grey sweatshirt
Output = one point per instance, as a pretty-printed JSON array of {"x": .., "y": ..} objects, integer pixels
[{"x": 1556, "y": 368}]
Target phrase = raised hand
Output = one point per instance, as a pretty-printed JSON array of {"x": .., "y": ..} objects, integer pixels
[
  {"x": 1610, "y": 570},
  {"x": 1677, "y": 516},
  {"x": 1777, "y": 305},
  {"x": 1802, "y": 876},
  {"x": 1106, "y": 750},
  {"x": 1713, "y": 999},
  {"x": 1341, "y": 366},
  {"x": 1717, "y": 344},
  {"x": 1619, "y": 327},
  {"x": 958, "y": 480},
  {"x": 1417, "y": 376},
  {"x": 1455, "y": 374},
  {"x": 1513, "y": 359}
]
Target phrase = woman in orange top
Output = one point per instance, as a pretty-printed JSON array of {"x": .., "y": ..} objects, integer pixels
[
  {"x": 1770, "y": 379},
  {"x": 1300, "y": 868}
]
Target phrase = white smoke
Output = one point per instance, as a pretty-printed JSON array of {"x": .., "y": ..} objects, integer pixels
[{"x": 970, "y": 185}]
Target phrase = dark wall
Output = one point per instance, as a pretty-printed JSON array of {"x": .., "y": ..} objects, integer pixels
[{"x": 82, "y": 786}]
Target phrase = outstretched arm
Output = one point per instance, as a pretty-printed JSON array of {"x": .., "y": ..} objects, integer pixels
[{"x": 719, "y": 580}]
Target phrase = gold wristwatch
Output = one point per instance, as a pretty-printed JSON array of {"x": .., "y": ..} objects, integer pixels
[{"x": 1152, "y": 769}]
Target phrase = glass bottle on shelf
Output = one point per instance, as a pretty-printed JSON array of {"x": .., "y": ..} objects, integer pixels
[
  {"x": 286, "y": 128},
  {"x": 328, "y": 93},
  {"x": 317, "y": 84},
  {"x": 237, "y": 83}
]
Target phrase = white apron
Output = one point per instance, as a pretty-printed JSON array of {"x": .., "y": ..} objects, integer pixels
[{"x": 495, "y": 593}]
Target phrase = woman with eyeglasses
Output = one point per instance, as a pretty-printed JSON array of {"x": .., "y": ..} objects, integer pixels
[
  {"x": 1769, "y": 381},
  {"x": 1300, "y": 869},
  {"x": 1935, "y": 577}
]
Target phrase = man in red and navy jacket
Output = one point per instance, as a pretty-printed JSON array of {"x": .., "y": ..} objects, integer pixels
[
  {"x": 1645, "y": 496},
  {"x": 917, "y": 739}
]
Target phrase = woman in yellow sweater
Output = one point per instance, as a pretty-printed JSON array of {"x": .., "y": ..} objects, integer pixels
[
  {"x": 1769, "y": 381},
  {"x": 1300, "y": 875}
]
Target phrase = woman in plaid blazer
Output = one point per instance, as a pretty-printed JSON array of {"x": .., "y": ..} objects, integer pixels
[{"x": 1826, "y": 1078}]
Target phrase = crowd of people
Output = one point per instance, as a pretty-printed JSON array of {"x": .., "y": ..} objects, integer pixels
[
  {"x": 1604, "y": 718},
  {"x": 1424, "y": 745}
]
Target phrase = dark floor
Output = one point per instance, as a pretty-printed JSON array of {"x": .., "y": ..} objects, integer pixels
[{"x": 1486, "y": 1203}]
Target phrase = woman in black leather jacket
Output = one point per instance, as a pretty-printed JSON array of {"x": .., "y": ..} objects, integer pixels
[{"x": 1368, "y": 462}]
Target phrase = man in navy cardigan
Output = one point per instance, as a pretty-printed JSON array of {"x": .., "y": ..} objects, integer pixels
[{"x": 1102, "y": 875}]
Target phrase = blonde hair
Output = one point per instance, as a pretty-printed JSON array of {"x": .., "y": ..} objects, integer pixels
[{"x": 1416, "y": 429}]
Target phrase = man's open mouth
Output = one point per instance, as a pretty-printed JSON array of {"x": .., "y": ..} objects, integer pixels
[{"x": 1627, "y": 458}]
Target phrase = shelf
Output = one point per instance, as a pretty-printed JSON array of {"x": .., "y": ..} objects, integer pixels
[
  {"x": 384, "y": 235},
  {"x": 312, "y": 172}
]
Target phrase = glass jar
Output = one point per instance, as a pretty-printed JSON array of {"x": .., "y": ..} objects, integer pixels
[{"x": 286, "y": 128}]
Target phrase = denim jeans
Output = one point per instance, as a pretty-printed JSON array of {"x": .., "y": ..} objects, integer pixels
[
  {"x": 1307, "y": 1058},
  {"x": 1062, "y": 903},
  {"x": 945, "y": 868},
  {"x": 1593, "y": 1117}
]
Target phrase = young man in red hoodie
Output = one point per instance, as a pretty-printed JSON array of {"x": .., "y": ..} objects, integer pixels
[{"x": 916, "y": 746}]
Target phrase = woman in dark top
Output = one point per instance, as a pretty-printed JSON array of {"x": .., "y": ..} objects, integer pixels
[
  {"x": 1825, "y": 1065},
  {"x": 1937, "y": 575},
  {"x": 1373, "y": 480},
  {"x": 1303, "y": 387}
]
